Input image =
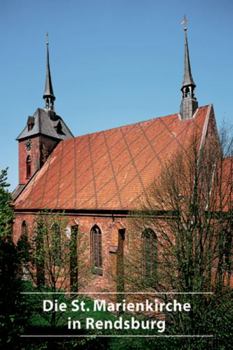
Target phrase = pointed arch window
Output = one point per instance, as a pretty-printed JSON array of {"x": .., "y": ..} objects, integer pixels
[
  {"x": 24, "y": 250},
  {"x": 40, "y": 254},
  {"x": 150, "y": 256},
  {"x": 120, "y": 263},
  {"x": 96, "y": 250},
  {"x": 24, "y": 229},
  {"x": 56, "y": 244},
  {"x": 28, "y": 167},
  {"x": 74, "y": 259}
]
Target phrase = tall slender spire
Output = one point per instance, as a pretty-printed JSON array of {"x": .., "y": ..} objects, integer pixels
[
  {"x": 48, "y": 91},
  {"x": 189, "y": 103}
]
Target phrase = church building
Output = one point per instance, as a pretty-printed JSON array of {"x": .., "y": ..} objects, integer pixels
[{"x": 97, "y": 179}]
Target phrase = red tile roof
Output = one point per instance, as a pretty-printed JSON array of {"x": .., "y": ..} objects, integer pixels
[{"x": 109, "y": 169}]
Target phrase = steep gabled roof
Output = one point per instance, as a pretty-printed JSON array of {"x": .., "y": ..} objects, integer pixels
[
  {"x": 109, "y": 169},
  {"x": 48, "y": 123}
]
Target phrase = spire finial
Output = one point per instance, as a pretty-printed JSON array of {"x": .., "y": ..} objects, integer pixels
[
  {"x": 189, "y": 103},
  {"x": 185, "y": 23},
  {"x": 48, "y": 91},
  {"x": 47, "y": 38}
]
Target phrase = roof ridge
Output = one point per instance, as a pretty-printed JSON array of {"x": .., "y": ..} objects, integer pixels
[{"x": 136, "y": 123}]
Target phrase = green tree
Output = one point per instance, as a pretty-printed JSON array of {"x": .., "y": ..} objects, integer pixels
[
  {"x": 12, "y": 318},
  {"x": 55, "y": 257},
  {"x": 190, "y": 209},
  {"x": 6, "y": 212}
]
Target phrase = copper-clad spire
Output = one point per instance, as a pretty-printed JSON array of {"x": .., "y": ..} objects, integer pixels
[{"x": 48, "y": 91}]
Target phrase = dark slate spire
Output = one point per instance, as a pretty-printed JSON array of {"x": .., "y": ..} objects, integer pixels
[
  {"x": 189, "y": 103},
  {"x": 188, "y": 79},
  {"x": 48, "y": 91}
]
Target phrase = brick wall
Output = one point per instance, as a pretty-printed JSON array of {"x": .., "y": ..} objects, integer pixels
[
  {"x": 33, "y": 152},
  {"x": 39, "y": 150},
  {"x": 110, "y": 239}
]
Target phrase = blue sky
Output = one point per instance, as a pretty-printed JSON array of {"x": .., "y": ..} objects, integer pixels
[{"x": 113, "y": 62}]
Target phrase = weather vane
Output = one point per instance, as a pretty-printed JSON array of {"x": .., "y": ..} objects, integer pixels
[{"x": 185, "y": 23}]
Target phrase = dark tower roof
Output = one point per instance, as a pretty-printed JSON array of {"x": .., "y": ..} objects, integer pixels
[
  {"x": 189, "y": 102},
  {"x": 188, "y": 79},
  {"x": 48, "y": 91},
  {"x": 48, "y": 123}
]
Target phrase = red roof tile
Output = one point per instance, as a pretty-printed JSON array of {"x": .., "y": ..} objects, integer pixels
[{"x": 109, "y": 169}]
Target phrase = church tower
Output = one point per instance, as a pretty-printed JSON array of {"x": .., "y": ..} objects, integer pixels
[
  {"x": 43, "y": 131},
  {"x": 189, "y": 102}
]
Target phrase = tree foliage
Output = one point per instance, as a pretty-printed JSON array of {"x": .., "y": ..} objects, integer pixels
[
  {"x": 52, "y": 256},
  {"x": 12, "y": 315},
  {"x": 6, "y": 212},
  {"x": 190, "y": 208}
]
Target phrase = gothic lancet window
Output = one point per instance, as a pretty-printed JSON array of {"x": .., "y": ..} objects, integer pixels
[
  {"x": 23, "y": 250},
  {"x": 24, "y": 229},
  {"x": 56, "y": 243},
  {"x": 23, "y": 242},
  {"x": 120, "y": 262},
  {"x": 96, "y": 250},
  {"x": 40, "y": 254},
  {"x": 28, "y": 167},
  {"x": 74, "y": 259},
  {"x": 150, "y": 256}
]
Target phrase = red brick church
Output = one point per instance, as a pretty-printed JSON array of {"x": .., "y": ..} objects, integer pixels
[{"x": 97, "y": 179}]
